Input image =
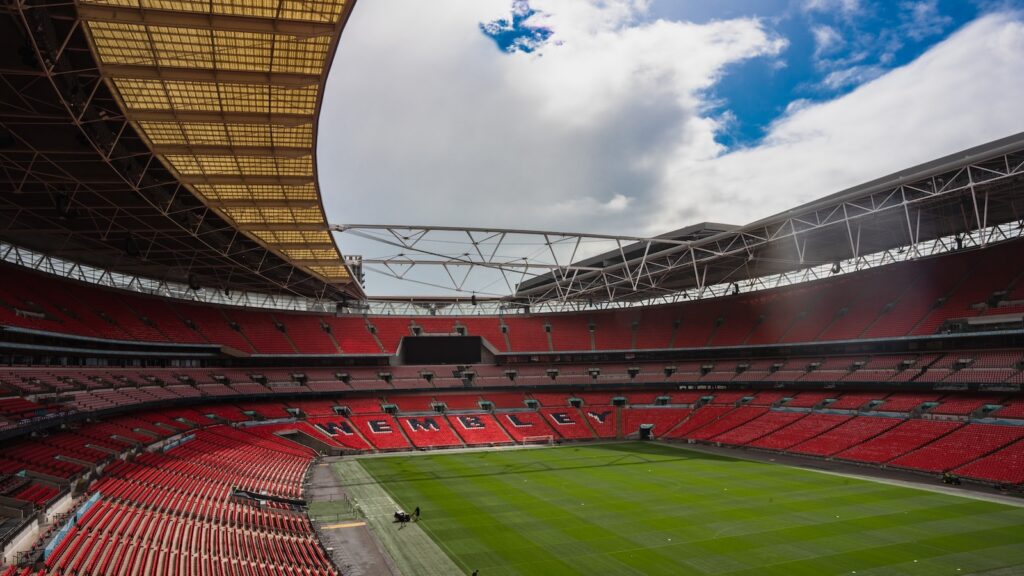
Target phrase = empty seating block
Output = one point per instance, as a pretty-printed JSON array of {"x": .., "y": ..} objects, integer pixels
[
  {"x": 905, "y": 402},
  {"x": 600, "y": 418},
  {"x": 1004, "y": 466},
  {"x": 567, "y": 422},
  {"x": 847, "y": 434},
  {"x": 853, "y": 400},
  {"x": 429, "y": 431},
  {"x": 960, "y": 447},
  {"x": 478, "y": 429},
  {"x": 664, "y": 419},
  {"x": 758, "y": 427},
  {"x": 523, "y": 424},
  {"x": 962, "y": 405},
  {"x": 380, "y": 430},
  {"x": 728, "y": 421},
  {"x": 809, "y": 399},
  {"x": 337, "y": 429},
  {"x": 799, "y": 431},
  {"x": 908, "y": 436},
  {"x": 173, "y": 513},
  {"x": 698, "y": 419}
]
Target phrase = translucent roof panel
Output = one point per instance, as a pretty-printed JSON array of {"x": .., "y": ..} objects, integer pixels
[
  {"x": 226, "y": 94},
  {"x": 183, "y": 47},
  {"x": 200, "y": 96},
  {"x": 325, "y": 11},
  {"x": 292, "y": 236},
  {"x": 241, "y": 165},
  {"x": 257, "y": 193},
  {"x": 241, "y": 135}
]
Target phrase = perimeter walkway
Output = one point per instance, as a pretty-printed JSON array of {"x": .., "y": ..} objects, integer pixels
[
  {"x": 413, "y": 551},
  {"x": 354, "y": 546}
]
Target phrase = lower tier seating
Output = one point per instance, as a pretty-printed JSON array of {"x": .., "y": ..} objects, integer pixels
[
  {"x": 662, "y": 418},
  {"x": 479, "y": 429},
  {"x": 522, "y": 424},
  {"x": 181, "y": 511},
  {"x": 175, "y": 513},
  {"x": 601, "y": 419},
  {"x": 960, "y": 447},
  {"x": 727, "y": 422},
  {"x": 847, "y": 434},
  {"x": 429, "y": 431},
  {"x": 758, "y": 427},
  {"x": 1005, "y": 466},
  {"x": 909, "y": 435},
  {"x": 568, "y": 423},
  {"x": 802, "y": 430}
]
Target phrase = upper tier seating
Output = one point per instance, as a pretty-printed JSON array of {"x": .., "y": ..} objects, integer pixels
[{"x": 914, "y": 297}]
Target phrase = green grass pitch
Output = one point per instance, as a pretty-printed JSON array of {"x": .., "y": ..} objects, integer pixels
[{"x": 640, "y": 508}]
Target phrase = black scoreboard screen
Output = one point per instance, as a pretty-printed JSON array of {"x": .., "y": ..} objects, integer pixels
[{"x": 441, "y": 349}]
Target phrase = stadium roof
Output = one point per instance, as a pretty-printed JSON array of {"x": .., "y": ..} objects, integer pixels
[
  {"x": 175, "y": 140},
  {"x": 172, "y": 139},
  {"x": 971, "y": 191},
  {"x": 965, "y": 199}
]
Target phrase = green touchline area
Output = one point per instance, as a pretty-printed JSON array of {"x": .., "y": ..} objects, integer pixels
[{"x": 639, "y": 508}]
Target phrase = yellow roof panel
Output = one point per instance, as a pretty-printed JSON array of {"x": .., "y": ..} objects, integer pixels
[
  {"x": 256, "y": 192},
  {"x": 181, "y": 47},
  {"x": 292, "y": 236},
  {"x": 304, "y": 254},
  {"x": 255, "y": 216},
  {"x": 240, "y": 165},
  {"x": 202, "y": 85},
  {"x": 240, "y": 135},
  {"x": 328, "y": 11},
  {"x": 198, "y": 96}
]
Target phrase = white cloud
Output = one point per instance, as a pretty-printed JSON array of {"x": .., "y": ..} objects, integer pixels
[
  {"x": 618, "y": 203},
  {"x": 826, "y": 40},
  {"x": 956, "y": 95},
  {"x": 426, "y": 121},
  {"x": 922, "y": 19},
  {"x": 844, "y": 7},
  {"x": 852, "y": 76}
]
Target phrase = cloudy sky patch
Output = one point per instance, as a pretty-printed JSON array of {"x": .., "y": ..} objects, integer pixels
[{"x": 637, "y": 117}]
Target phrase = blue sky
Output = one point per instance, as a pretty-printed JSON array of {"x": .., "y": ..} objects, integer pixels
[
  {"x": 833, "y": 47},
  {"x": 638, "y": 117},
  {"x": 878, "y": 37}
]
